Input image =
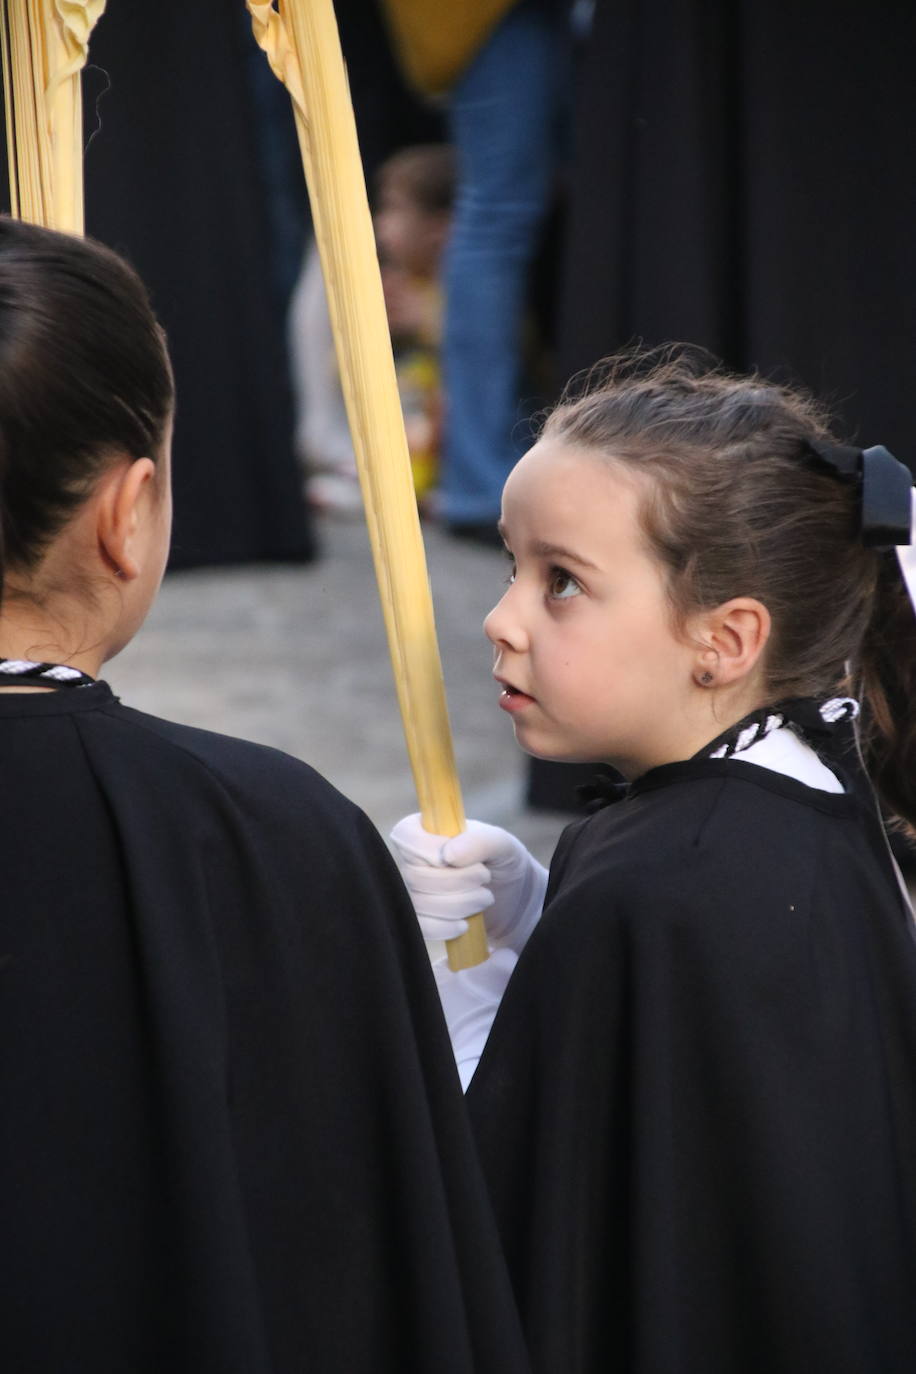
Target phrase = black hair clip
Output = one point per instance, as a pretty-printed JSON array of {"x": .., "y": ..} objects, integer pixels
[{"x": 885, "y": 486}]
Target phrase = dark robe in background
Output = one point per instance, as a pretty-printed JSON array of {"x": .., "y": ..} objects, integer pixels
[
  {"x": 175, "y": 179},
  {"x": 743, "y": 179},
  {"x": 195, "y": 175}
]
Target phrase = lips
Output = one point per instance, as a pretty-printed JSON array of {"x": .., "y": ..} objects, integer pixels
[{"x": 512, "y": 698}]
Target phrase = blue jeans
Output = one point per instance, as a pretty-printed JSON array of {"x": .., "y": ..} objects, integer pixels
[{"x": 505, "y": 119}]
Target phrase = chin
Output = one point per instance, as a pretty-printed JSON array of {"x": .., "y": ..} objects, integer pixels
[{"x": 553, "y": 753}]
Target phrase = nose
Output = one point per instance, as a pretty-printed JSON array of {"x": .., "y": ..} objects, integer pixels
[{"x": 503, "y": 627}]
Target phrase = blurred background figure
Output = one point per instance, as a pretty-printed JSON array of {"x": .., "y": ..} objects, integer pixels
[
  {"x": 415, "y": 194},
  {"x": 503, "y": 70},
  {"x": 323, "y": 444},
  {"x": 389, "y": 116},
  {"x": 185, "y": 174}
]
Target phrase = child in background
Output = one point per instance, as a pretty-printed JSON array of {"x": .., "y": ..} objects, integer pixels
[
  {"x": 696, "y": 1107},
  {"x": 416, "y": 189},
  {"x": 232, "y": 1138},
  {"x": 322, "y": 440}
]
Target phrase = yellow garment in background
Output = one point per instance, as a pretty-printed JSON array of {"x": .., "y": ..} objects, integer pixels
[
  {"x": 420, "y": 389},
  {"x": 435, "y": 40},
  {"x": 416, "y": 364}
]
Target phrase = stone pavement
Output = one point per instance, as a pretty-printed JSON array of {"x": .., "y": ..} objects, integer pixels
[{"x": 296, "y": 657}]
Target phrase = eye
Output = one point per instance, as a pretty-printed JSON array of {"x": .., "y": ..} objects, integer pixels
[
  {"x": 511, "y": 560},
  {"x": 561, "y": 585}
]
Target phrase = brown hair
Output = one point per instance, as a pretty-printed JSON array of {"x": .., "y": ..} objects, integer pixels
[
  {"x": 739, "y": 507},
  {"x": 84, "y": 375},
  {"x": 426, "y": 174}
]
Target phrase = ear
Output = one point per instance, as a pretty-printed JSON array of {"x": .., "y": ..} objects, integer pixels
[
  {"x": 731, "y": 640},
  {"x": 123, "y": 495}
]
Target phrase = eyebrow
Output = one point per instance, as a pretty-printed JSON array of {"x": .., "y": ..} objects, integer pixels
[
  {"x": 565, "y": 555},
  {"x": 544, "y": 550}
]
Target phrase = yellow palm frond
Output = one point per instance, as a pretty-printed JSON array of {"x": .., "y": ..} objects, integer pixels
[
  {"x": 303, "y": 49},
  {"x": 45, "y": 45}
]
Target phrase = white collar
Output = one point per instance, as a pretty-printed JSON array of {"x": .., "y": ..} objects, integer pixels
[{"x": 782, "y": 751}]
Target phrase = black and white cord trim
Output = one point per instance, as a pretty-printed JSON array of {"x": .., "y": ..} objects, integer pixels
[
  {"x": 51, "y": 674},
  {"x": 751, "y": 731}
]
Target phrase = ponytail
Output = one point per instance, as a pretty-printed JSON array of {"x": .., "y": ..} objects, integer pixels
[{"x": 886, "y": 684}]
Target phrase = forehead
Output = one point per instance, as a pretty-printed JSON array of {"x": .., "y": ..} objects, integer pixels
[
  {"x": 396, "y": 194},
  {"x": 572, "y": 489}
]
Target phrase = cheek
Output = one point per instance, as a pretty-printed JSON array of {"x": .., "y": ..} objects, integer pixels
[{"x": 630, "y": 653}]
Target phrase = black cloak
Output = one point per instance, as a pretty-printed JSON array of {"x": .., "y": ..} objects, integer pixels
[
  {"x": 176, "y": 181},
  {"x": 233, "y": 1140},
  {"x": 697, "y": 1106}
]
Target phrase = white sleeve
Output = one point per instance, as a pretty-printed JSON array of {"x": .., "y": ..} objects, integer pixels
[{"x": 470, "y": 998}]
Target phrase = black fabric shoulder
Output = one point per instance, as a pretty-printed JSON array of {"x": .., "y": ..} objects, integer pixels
[
  {"x": 59, "y": 702},
  {"x": 740, "y": 770},
  {"x": 696, "y": 1107},
  {"x": 221, "y": 1037},
  {"x": 655, "y": 846},
  {"x": 264, "y": 780},
  {"x": 564, "y": 848}
]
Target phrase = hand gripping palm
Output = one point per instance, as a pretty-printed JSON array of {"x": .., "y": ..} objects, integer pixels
[{"x": 484, "y": 869}]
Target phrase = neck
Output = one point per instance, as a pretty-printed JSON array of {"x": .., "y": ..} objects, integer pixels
[
  {"x": 66, "y": 635},
  {"x": 723, "y": 714},
  {"x": 704, "y": 719}
]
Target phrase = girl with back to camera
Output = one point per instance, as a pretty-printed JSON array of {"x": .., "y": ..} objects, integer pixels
[
  {"x": 231, "y": 1135},
  {"x": 697, "y": 1105}
]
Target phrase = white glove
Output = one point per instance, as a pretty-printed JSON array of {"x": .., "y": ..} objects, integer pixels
[{"x": 483, "y": 869}]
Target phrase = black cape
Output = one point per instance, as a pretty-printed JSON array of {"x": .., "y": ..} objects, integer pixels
[
  {"x": 697, "y": 1105},
  {"x": 175, "y": 180},
  {"x": 232, "y": 1134}
]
